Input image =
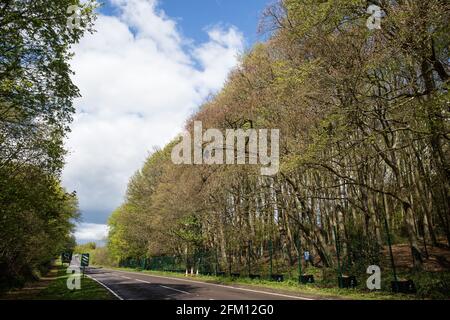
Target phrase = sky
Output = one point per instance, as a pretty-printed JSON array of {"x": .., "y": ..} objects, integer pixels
[{"x": 149, "y": 65}]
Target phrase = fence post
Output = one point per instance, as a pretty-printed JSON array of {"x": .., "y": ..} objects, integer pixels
[
  {"x": 216, "y": 269},
  {"x": 299, "y": 255},
  {"x": 391, "y": 255},
  {"x": 201, "y": 261},
  {"x": 186, "y": 259},
  {"x": 229, "y": 256},
  {"x": 270, "y": 259},
  {"x": 336, "y": 237},
  {"x": 249, "y": 246}
]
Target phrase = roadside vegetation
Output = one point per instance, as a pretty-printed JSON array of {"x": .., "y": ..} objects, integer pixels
[
  {"x": 98, "y": 255},
  {"x": 364, "y": 173},
  {"x": 364, "y": 156},
  {"x": 290, "y": 285},
  {"x": 430, "y": 285},
  {"x": 36, "y": 108},
  {"x": 90, "y": 289},
  {"x": 53, "y": 286}
]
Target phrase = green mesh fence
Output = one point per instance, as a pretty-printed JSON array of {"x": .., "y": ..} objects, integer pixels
[{"x": 269, "y": 259}]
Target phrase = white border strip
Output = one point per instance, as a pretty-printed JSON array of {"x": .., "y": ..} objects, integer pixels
[
  {"x": 217, "y": 285},
  {"x": 104, "y": 285}
]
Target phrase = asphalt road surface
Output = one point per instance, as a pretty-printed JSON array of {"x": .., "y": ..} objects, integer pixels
[{"x": 139, "y": 286}]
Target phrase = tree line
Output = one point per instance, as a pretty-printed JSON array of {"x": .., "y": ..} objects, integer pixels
[
  {"x": 364, "y": 127},
  {"x": 36, "y": 108}
]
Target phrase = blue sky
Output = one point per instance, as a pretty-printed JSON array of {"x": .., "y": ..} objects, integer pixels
[
  {"x": 193, "y": 16},
  {"x": 147, "y": 68}
]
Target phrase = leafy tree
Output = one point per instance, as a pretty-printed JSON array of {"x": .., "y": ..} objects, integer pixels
[
  {"x": 363, "y": 116},
  {"x": 36, "y": 107}
]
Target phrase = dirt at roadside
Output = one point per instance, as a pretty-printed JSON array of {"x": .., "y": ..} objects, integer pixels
[
  {"x": 438, "y": 257},
  {"x": 32, "y": 289}
]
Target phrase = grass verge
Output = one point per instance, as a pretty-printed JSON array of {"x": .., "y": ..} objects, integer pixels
[
  {"x": 57, "y": 289},
  {"x": 53, "y": 286}
]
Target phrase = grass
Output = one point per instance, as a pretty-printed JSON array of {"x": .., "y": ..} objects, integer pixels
[
  {"x": 53, "y": 286},
  {"x": 289, "y": 285},
  {"x": 57, "y": 289}
]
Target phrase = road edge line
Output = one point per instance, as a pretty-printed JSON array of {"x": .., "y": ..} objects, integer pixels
[{"x": 107, "y": 288}]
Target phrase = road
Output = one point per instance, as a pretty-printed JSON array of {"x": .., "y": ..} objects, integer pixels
[{"x": 139, "y": 286}]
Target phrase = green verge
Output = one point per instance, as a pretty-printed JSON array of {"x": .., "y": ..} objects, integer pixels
[
  {"x": 289, "y": 285},
  {"x": 90, "y": 289}
]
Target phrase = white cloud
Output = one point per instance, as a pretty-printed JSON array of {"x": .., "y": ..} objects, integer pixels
[
  {"x": 140, "y": 80},
  {"x": 91, "y": 232}
]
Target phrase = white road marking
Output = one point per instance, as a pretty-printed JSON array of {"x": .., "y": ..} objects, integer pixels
[
  {"x": 142, "y": 281},
  {"x": 104, "y": 285},
  {"x": 126, "y": 277},
  {"x": 223, "y": 286},
  {"x": 175, "y": 289}
]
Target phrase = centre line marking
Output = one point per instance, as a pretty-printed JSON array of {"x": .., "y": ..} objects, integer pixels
[
  {"x": 175, "y": 289},
  {"x": 142, "y": 281}
]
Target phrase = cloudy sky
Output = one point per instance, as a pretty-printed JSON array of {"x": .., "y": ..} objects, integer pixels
[{"x": 146, "y": 69}]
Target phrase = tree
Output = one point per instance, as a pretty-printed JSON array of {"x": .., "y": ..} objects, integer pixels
[
  {"x": 363, "y": 116},
  {"x": 36, "y": 107}
]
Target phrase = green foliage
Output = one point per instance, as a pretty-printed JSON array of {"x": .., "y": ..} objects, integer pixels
[
  {"x": 36, "y": 224},
  {"x": 434, "y": 285},
  {"x": 36, "y": 107},
  {"x": 85, "y": 248},
  {"x": 363, "y": 116},
  {"x": 36, "y": 91}
]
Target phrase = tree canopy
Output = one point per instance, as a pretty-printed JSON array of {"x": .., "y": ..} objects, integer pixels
[
  {"x": 36, "y": 107},
  {"x": 363, "y": 116}
]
